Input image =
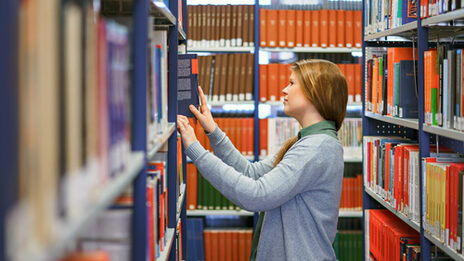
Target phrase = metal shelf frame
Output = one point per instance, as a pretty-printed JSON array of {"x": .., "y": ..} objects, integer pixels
[
  {"x": 449, "y": 133},
  {"x": 161, "y": 139},
  {"x": 409, "y": 123},
  {"x": 403, "y": 30}
]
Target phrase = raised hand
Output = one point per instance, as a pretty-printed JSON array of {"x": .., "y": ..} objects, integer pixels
[
  {"x": 186, "y": 131},
  {"x": 204, "y": 115}
]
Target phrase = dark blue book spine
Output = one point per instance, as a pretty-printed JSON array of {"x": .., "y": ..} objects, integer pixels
[
  {"x": 408, "y": 11},
  {"x": 408, "y": 94},
  {"x": 187, "y": 83}
]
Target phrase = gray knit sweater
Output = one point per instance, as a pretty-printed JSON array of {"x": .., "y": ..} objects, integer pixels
[{"x": 301, "y": 195}]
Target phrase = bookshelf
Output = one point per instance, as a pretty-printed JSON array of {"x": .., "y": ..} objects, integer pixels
[
  {"x": 67, "y": 229},
  {"x": 403, "y": 30},
  {"x": 312, "y": 49},
  {"x": 425, "y": 32}
]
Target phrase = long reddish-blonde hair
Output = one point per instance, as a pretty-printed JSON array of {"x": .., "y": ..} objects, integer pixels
[{"x": 325, "y": 86}]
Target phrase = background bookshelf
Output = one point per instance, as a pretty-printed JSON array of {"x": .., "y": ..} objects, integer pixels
[
  {"x": 76, "y": 32},
  {"x": 437, "y": 26}
]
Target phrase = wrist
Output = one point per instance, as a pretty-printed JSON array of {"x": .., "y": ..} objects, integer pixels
[{"x": 211, "y": 128}]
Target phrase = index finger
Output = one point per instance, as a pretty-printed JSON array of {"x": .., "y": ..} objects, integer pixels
[{"x": 202, "y": 96}]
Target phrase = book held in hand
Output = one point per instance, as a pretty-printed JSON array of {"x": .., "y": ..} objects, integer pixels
[{"x": 187, "y": 83}]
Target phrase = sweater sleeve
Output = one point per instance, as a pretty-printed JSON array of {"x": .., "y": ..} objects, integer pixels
[
  {"x": 226, "y": 151},
  {"x": 289, "y": 178}
]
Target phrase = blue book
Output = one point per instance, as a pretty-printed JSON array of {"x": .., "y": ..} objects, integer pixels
[
  {"x": 187, "y": 83},
  {"x": 408, "y": 106},
  {"x": 408, "y": 11},
  {"x": 195, "y": 245}
]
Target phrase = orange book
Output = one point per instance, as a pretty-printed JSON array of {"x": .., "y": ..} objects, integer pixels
[
  {"x": 235, "y": 251},
  {"x": 207, "y": 242},
  {"x": 315, "y": 40},
  {"x": 214, "y": 245},
  {"x": 250, "y": 136},
  {"x": 243, "y": 135},
  {"x": 273, "y": 83},
  {"x": 291, "y": 28},
  {"x": 249, "y": 241},
  {"x": 350, "y": 79},
  {"x": 242, "y": 245},
  {"x": 357, "y": 82},
  {"x": 283, "y": 80},
  {"x": 263, "y": 27},
  {"x": 343, "y": 69},
  {"x": 222, "y": 244},
  {"x": 263, "y": 76},
  {"x": 333, "y": 28},
  {"x": 238, "y": 140},
  {"x": 228, "y": 245},
  {"x": 307, "y": 28},
  {"x": 263, "y": 137},
  {"x": 271, "y": 23},
  {"x": 348, "y": 28},
  {"x": 299, "y": 28},
  {"x": 324, "y": 27},
  {"x": 357, "y": 29},
  {"x": 282, "y": 28},
  {"x": 343, "y": 196},
  {"x": 395, "y": 55},
  {"x": 192, "y": 186},
  {"x": 340, "y": 28}
]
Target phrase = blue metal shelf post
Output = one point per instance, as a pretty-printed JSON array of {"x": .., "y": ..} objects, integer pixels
[
  {"x": 9, "y": 112},
  {"x": 424, "y": 138},
  {"x": 256, "y": 83},
  {"x": 139, "y": 138}
]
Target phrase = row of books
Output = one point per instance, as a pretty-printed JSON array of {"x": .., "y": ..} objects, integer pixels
[
  {"x": 351, "y": 197},
  {"x": 213, "y": 244},
  {"x": 389, "y": 238},
  {"x": 74, "y": 120},
  {"x": 391, "y": 168},
  {"x": 443, "y": 199},
  {"x": 274, "y": 77},
  {"x": 437, "y": 7},
  {"x": 384, "y": 15},
  {"x": 157, "y": 85},
  {"x": 348, "y": 245},
  {"x": 350, "y": 133},
  {"x": 239, "y": 131},
  {"x": 310, "y": 28},
  {"x": 220, "y": 25},
  {"x": 227, "y": 77},
  {"x": 202, "y": 195},
  {"x": 391, "y": 86},
  {"x": 444, "y": 88}
]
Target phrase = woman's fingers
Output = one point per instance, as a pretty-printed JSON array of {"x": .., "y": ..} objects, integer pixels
[
  {"x": 195, "y": 112},
  {"x": 202, "y": 96}
]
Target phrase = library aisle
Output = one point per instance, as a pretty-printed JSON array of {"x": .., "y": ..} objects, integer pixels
[{"x": 93, "y": 165}]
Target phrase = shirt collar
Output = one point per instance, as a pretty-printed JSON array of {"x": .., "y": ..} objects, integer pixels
[{"x": 322, "y": 127}]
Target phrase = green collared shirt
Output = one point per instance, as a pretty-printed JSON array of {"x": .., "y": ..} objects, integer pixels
[{"x": 322, "y": 127}]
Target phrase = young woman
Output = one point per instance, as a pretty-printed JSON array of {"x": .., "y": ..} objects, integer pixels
[{"x": 297, "y": 190}]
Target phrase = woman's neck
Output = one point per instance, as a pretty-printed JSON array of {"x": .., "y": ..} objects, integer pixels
[{"x": 310, "y": 119}]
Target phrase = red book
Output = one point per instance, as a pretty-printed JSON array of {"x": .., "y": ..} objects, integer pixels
[
  {"x": 151, "y": 220},
  {"x": 192, "y": 186},
  {"x": 324, "y": 27},
  {"x": 340, "y": 28},
  {"x": 333, "y": 28},
  {"x": 263, "y": 27},
  {"x": 349, "y": 75},
  {"x": 273, "y": 83},
  {"x": 228, "y": 245},
  {"x": 263, "y": 77},
  {"x": 283, "y": 80},
  {"x": 357, "y": 82},
  {"x": 348, "y": 28},
  {"x": 291, "y": 28},
  {"x": 221, "y": 234},
  {"x": 243, "y": 135},
  {"x": 315, "y": 38},
  {"x": 215, "y": 245},
  {"x": 243, "y": 255},
  {"x": 357, "y": 29},
  {"x": 282, "y": 28},
  {"x": 235, "y": 247},
  {"x": 263, "y": 137},
  {"x": 271, "y": 23},
  {"x": 250, "y": 136},
  {"x": 207, "y": 242},
  {"x": 307, "y": 28},
  {"x": 299, "y": 28}
]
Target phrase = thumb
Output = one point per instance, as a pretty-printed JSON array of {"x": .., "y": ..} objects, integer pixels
[{"x": 195, "y": 112}]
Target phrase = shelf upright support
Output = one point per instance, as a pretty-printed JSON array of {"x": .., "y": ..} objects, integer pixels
[
  {"x": 256, "y": 83},
  {"x": 173, "y": 42},
  {"x": 424, "y": 138},
  {"x": 9, "y": 139},
  {"x": 139, "y": 135}
]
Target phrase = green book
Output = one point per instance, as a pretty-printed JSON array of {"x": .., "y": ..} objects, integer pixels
[
  {"x": 396, "y": 88},
  {"x": 199, "y": 191}
]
